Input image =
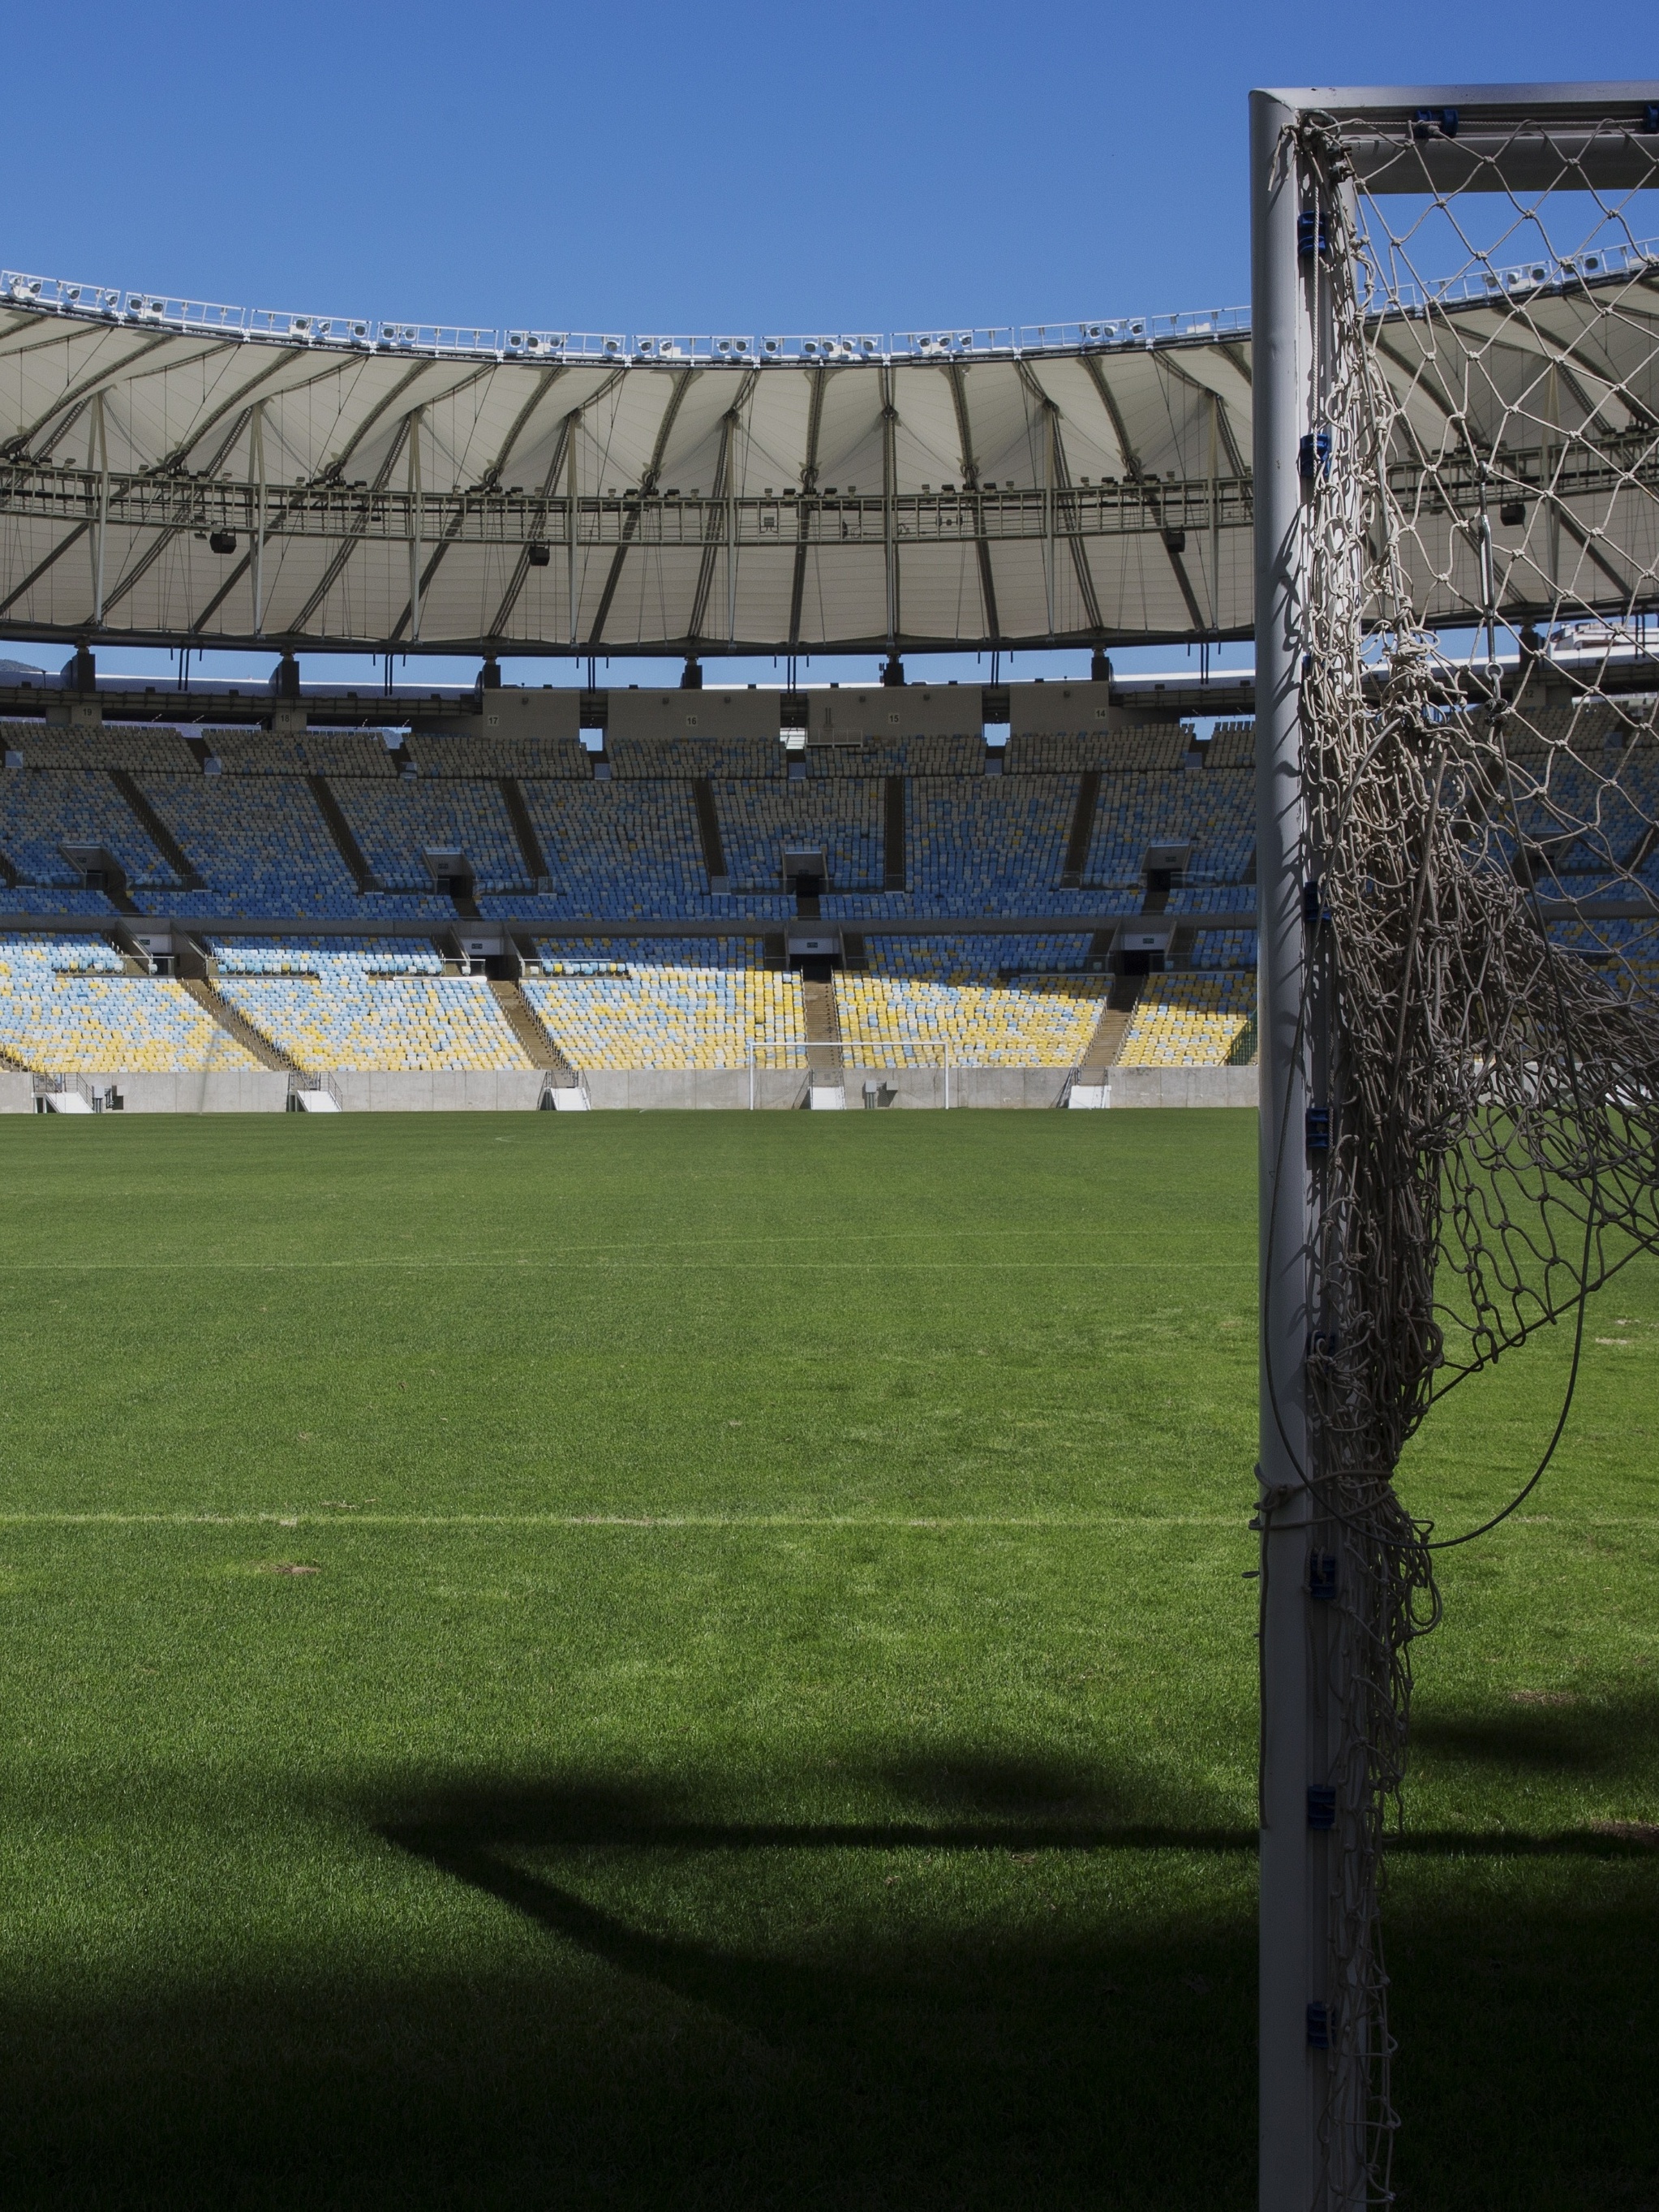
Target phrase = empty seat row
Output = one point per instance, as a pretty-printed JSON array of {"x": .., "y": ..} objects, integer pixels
[
  {"x": 908, "y": 1021},
  {"x": 66, "y": 1008},
  {"x": 1186, "y": 1020},
  {"x": 650, "y": 1014}
]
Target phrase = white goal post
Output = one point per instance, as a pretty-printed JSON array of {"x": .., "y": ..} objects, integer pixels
[{"x": 1457, "y": 434}]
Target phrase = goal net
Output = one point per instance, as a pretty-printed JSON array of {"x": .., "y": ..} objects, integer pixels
[{"x": 1479, "y": 1024}]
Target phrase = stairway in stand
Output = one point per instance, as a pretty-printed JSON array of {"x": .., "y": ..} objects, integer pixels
[
  {"x": 522, "y": 1019},
  {"x": 824, "y": 1057},
  {"x": 234, "y": 1023},
  {"x": 1089, "y": 1084}
]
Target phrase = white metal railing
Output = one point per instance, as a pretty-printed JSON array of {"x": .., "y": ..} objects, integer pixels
[
  {"x": 1486, "y": 280},
  {"x": 314, "y": 1080},
  {"x": 363, "y": 334}
]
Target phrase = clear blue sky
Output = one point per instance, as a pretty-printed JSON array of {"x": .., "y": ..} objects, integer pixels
[{"x": 729, "y": 165}]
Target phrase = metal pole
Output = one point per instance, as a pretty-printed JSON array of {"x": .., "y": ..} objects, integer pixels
[
  {"x": 257, "y": 457},
  {"x": 100, "y": 433},
  {"x": 1294, "y": 1908},
  {"x": 417, "y": 525}
]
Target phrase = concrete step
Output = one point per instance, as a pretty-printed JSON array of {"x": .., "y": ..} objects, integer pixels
[
  {"x": 234, "y": 1023},
  {"x": 525, "y": 1025},
  {"x": 1107, "y": 1040},
  {"x": 823, "y": 1046}
]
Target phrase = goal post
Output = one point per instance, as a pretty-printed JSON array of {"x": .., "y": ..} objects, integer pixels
[{"x": 1455, "y": 392}]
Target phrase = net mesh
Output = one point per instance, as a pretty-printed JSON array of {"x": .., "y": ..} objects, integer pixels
[{"x": 1481, "y": 775}]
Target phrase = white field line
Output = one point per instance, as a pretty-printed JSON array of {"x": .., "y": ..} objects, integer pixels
[
  {"x": 346, "y": 1517},
  {"x": 353, "y": 1517},
  {"x": 611, "y": 1266}
]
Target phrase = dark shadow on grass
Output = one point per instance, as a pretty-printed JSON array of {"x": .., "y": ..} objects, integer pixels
[
  {"x": 1592, "y": 1736},
  {"x": 717, "y": 2013}
]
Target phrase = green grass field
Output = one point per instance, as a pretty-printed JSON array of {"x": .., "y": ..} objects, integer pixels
[{"x": 704, "y": 1660}]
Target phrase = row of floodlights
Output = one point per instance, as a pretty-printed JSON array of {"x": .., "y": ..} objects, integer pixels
[
  {"x": 156, "y": 309},
  {"x": 1542, "y": 274}
]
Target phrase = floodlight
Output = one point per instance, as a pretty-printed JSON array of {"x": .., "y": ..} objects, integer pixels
[{"x": 539, "y": 556}]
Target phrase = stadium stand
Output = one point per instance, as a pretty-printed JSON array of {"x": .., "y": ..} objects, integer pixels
[
  {"x": 66, "y": 1008},
  {"x": 25, "y": 898},
  {"x": 386, "y": 1010},
  {"x": 140, "y": 750},
  {"x": 652, "y": 1014},
  {"x": 571, "y": 955},
  {"x": 622, "y": 851},
  {"x": 1213, "y": 812},
  {"x": 259, "y": 843},
  {"x": 1190, "y": 1021},
  {"x": 640, "y": 759},
  {"x": 561, "y": 757},
  {"x": 920, "y": 756},
  {"x": 1224, "y": 948},
  {"x": 397, "y": 824},
  {"x": 972, "y": 959},
  {"x": 841, "y": 817},
  {"x": 1056, "y": 752},
  {"x": 990, "y": 847},
  {"x": 42, "y": 810},
  {"x": 907, "y": 1021},
  {"x": 1232, "y": 744},
  {"x": 323, "y": 825}
]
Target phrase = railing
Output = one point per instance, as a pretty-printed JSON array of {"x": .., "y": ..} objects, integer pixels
[
  {"x": 60, "y": 1087},
  {"x": 1597, "y": 264},
  {"x": 551, "y": 1085},
  {"x": 363, "y": 334},
  {"x": 307, "y": 1080}
]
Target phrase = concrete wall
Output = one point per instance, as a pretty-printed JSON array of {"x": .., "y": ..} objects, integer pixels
[
  {"x": 968, "y": 1086},
  {"x": 650, "y": 1089},
  {"x": 656, "y": 1090},
  {"x": 1184, "y": 1087},
  {"x": 915, "y": 710},
  {"x": 1043, "y": 709},
  {"x": 458, "y": 1091},
  {"x": 712, "y": 713},
  {"x": 218, "y": 1090}
]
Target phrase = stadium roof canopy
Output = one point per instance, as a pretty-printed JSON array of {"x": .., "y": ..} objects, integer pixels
[{"x": 172, "y": 473}]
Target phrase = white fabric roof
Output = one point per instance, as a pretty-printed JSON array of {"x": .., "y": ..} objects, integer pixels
[{"x": 387, "y": 493}]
